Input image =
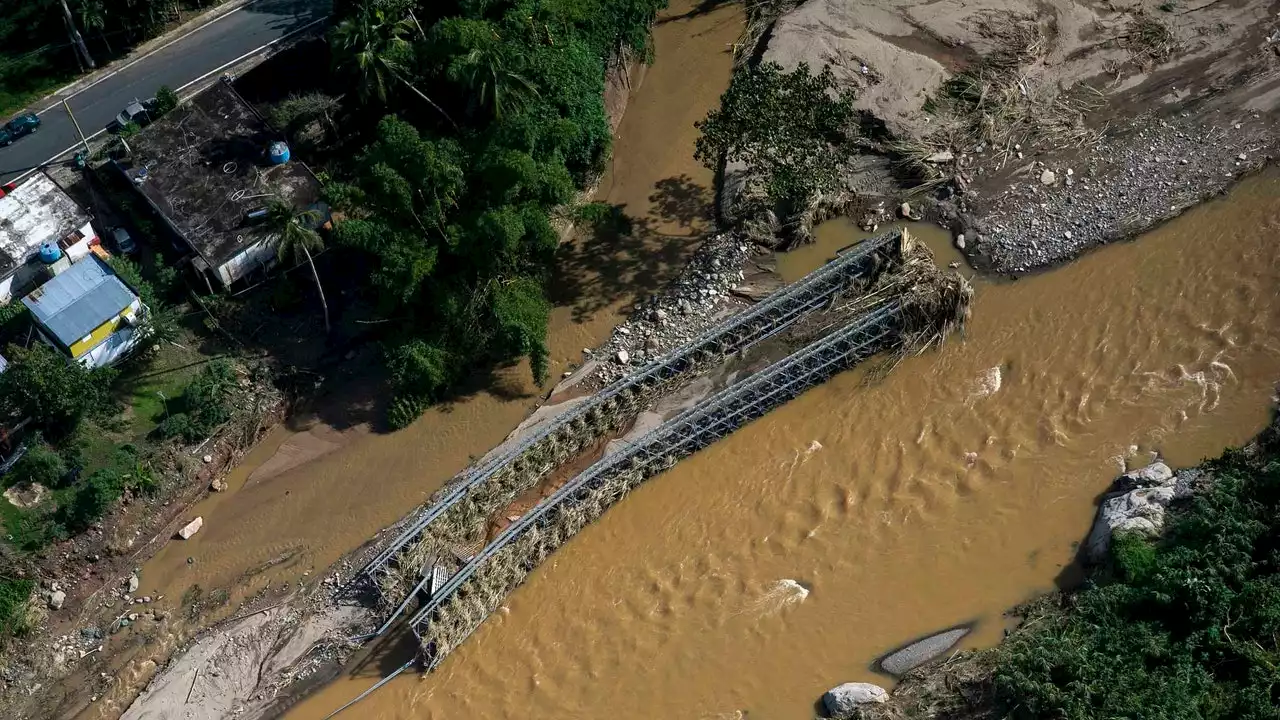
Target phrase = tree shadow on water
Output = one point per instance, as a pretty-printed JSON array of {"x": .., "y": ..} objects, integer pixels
[
  {"x": 629, "y": 257},
  {"x": 681, "y": 201}
]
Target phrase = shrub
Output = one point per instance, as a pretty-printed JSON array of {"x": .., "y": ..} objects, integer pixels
[
  {"x": 204, "y": 404},
  {"x": 40, "y": 464},
  {"x": 96, "y": 494},
  {"x": 166, "y": 101},
  {"x": 790, "y": 128},
  {"x": 1186, "y": 627}
]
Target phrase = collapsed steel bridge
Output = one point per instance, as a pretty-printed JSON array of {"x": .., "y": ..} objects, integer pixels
[
  {"x": 609, "y": 479},
  {"x": 759, "y": 322}
]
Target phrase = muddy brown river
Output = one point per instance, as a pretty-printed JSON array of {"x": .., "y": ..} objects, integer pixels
[
  {"x": 782, "y": 561},
  {"x": 311, "y": 492},
  {"x": 785, "y": 559}
]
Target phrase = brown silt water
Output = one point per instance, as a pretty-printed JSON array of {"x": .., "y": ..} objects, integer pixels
[
  {"x": 312, "y": 492},
  {"x": 785, "y": 559}
]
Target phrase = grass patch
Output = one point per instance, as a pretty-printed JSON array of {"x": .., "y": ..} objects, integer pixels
[
  {"x": 14, "y": 101},
  {"x": 15, "y": 606},
  {"x": 153, "y": 389}
]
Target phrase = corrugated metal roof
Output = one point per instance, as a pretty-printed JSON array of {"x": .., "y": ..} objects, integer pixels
[
  {"x": 38, "y": 210},
  {"x": 78, "y": 300}
]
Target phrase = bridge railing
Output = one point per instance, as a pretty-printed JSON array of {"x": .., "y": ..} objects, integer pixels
[
  {"x": 609, "y": 479},
  {"x": 765, "y": 318}
]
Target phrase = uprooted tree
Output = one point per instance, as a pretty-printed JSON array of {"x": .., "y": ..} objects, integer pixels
[{"x": 791, "y": 131}]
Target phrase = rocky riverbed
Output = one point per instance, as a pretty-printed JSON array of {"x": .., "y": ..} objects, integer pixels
[{"x": 1093, "y": 122}]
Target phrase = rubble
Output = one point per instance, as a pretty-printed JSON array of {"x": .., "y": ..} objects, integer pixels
[
  {"x": 1132, "y": 181},
  {"x": 696, "y": 300}
]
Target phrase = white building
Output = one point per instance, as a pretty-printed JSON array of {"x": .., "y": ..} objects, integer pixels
[{"x": 36, "y": 212}]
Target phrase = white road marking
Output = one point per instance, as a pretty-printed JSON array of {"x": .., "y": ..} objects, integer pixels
[
  {"x": 218, "y": 69},
  {"x": 148, "y": 54}
]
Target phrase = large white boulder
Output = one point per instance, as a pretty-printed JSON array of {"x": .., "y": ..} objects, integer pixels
[
  {"x": 842, "y": 702},
  {"x": 191, "y": 528},
  {"x": 1141, "y": 510}
]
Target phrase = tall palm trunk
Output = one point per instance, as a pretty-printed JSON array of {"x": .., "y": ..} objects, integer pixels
[
  {"x": 76, "y": 39},
  {"x": 422, "y": 95},
  {"x": 316, "y": 276}
]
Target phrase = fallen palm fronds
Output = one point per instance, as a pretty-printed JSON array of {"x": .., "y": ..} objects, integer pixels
[{"x": 761, "y": 15}]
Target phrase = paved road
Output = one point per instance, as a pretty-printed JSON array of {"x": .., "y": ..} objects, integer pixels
[{"x": 176, "y": 65}]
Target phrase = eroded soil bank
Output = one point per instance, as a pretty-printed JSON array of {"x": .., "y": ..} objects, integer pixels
[
  {"x": 314, "y": 490},
  {"x": 785, "y": 559},
  {"x": 1036, "y": 130}
]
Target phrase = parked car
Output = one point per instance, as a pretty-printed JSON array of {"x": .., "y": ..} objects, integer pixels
[
  {"x": 24, "y": 124},
  {"x": 125, "y": 244},
  {"x": 137, "y": 112}
]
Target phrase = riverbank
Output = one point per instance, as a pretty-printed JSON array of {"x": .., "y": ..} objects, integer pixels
[
  {"x": 606, "y": 355},
  {"x": 1168, "y": 621},
  {"x": 1036, "y": 132}
]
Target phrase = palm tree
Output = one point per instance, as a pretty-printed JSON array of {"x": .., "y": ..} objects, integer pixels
[
  {"x": 374, "y": 47},
  {"x": 82, "y": 52},
  {"x": 297, "y": 239},
  {"x": 93, "y": 15},
  {"x": 485, "y": 72}
]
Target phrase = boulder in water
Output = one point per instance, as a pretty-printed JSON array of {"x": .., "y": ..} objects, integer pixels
[
  {"x": 1140, "y": 511},
  {"x": 911, "y": 656},
  {"x": 1157, "y": 474},
  {"x": 842, "y": 702}
]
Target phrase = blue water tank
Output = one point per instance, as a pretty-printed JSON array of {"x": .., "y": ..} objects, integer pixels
[
  {"x": 50, "y": 253},
  {"x": 279, "y": 153}
]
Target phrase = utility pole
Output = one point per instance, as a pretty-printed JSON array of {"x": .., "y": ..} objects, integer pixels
[
  {"x": 77, "y": 124},
  {"x": 76, "y": 39}
]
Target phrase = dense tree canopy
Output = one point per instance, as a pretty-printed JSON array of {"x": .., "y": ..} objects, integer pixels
[
  {"x": 491, "y": 115},
  {"x": 56, "y": 394},
  {"x": 792, "y": 130}
]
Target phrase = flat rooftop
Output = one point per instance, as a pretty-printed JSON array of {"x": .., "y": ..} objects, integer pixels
[
  {"x": 36, "y": 211},
  {"x": 206, "y": 167}
]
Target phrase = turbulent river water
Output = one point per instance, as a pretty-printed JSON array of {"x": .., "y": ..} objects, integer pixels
[
  {"x": 786, "y": 558},
  {"x": 783, "y": 560}
]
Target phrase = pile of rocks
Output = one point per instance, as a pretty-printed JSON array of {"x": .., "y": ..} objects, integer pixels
[
  {"x": 1127, "y": 184},
  {"x": 697, "y": 299}
]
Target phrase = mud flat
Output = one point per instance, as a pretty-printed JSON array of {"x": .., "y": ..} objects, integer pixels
[{"x": 1034, "y": 131}]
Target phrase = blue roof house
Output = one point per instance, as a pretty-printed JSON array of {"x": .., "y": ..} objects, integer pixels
[{"x": 87, "y": 312}]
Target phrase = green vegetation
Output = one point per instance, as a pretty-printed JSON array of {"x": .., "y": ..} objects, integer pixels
[
  {"x": 38, "y": 52},
  {"x": 204, "y": 404},
  {"x": 487, "y": 117},
  {"x": 15, "y": 594},
  {"x": 161, "y": 321},
  {"x": 40, "y": 464},
  {"x": 1184, "y": 627},
  {"x": 166, "y": 101},
  {"x": 792, "y": 129},
  {"x": 40, "y": 384}
]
